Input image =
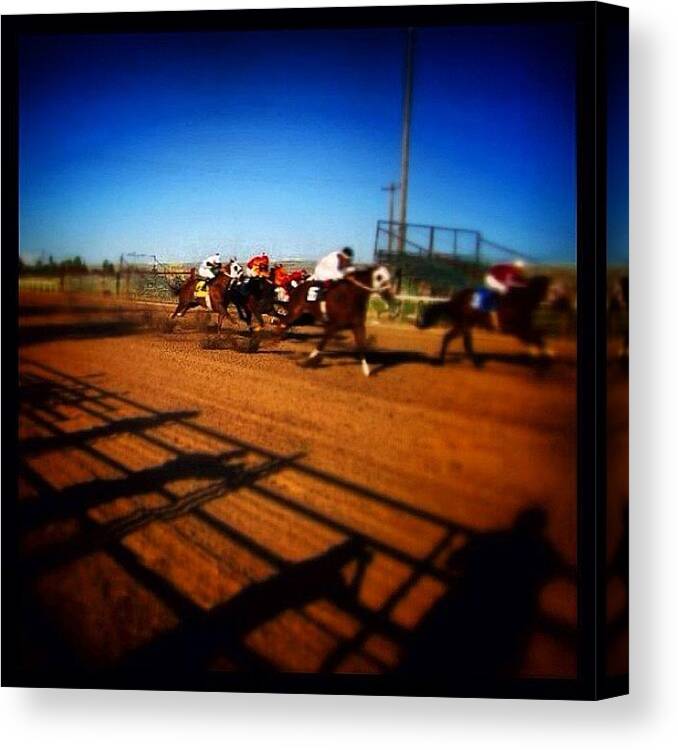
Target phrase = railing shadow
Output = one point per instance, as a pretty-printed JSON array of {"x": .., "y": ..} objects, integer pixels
[{"x": 336, "y": 573}]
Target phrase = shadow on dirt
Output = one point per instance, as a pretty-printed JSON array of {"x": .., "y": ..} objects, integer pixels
[
  {"x": 82, "y": 330},
  {"x": 488, "y": 583}
]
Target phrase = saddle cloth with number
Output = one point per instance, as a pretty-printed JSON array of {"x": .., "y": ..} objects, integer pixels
[{"x": 484, "y": 300}]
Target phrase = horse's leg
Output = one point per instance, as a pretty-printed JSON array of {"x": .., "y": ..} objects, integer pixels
[
  {"x": 254, "y": 312},
  {"x": 315, "y": 355},
  {"x": 361, "y": 349},
  {"x": 286, "y": 323},
  {"x": 468, "y": 346},
  {"x": 447, "y": 339},
  {"x": 222, "y": 311},
  {"x": 241, "y": 312},
  {"x": 536, "y": 344},
  {"x": 181, "y": 309}
]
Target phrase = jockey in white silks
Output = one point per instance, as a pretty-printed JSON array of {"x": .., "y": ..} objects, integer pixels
[
  {"x": 334, "y": 266},
  {"x": 209, "y": 267}
]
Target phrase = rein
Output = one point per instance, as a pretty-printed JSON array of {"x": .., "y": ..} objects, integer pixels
[{"x": 370, "y": 289}]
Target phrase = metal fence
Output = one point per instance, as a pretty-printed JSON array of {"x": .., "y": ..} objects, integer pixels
[{"x": 430, "y": 241}]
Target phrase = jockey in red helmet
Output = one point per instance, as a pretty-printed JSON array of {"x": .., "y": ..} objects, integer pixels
[
  {"x": 258, "y": 265},
  {"x": 501, "y": 278}
]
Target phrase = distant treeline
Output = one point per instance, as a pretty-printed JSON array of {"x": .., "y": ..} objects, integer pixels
[{"x": 71, "y": 266}]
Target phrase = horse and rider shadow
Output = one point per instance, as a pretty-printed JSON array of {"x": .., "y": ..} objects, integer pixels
[{"x": 480, "y": 630}]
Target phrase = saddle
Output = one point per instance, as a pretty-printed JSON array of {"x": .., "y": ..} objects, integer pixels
[
  {"x": 201, "y": 289},
  {"x": 316, "y": 290}
]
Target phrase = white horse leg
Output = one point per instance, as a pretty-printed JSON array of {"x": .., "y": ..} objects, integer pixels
[{"x": 366, "y": 367}]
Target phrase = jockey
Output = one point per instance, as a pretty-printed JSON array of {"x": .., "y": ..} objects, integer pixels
[
  {"x": 297, "y": 277},
  {"x": 505, "y": 276},
  {"x": 334, "y": 266},
  {"x": 501, "y": 278},
  {"x": 280, "y": 276},
  {"x": 258, "y": 265},
  {"x": 210, "y": 267}
]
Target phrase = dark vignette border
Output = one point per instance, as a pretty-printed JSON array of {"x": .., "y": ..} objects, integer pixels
[{"x": 591, "y": 388}]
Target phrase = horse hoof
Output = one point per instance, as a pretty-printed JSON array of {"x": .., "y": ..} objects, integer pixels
[{"x": 310, "y": 362}]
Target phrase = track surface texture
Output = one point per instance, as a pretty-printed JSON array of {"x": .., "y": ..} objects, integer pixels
[{"x": 218, "y": 509}]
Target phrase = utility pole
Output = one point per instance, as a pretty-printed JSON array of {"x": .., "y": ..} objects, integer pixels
[
  {"x": 405, "y": 144},
  {"x": 391, "y": 189}
]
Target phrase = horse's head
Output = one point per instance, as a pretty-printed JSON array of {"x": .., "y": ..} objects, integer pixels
[
  {"x": 560, "y": 297},
  {"x": 538, "y": 287},
  {"x": 380, "y": 281},
  {"x": 235, "y": 270}
]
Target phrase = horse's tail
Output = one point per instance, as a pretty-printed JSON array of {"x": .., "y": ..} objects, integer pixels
[
  {"x": 176, "y": 283},
  {"x": 433, "y": 313}
]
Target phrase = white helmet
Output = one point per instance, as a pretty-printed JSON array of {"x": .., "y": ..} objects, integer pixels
[{"x": 519, "y": 263}]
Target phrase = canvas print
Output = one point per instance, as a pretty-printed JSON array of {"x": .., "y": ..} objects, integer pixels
[{"x": 297, "y": 341}]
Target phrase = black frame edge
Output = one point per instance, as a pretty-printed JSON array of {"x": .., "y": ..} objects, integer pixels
[{"x": 606, "y": 16}]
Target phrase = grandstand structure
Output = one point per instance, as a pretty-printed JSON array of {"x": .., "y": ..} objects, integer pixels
[{"x": 435, "y": 259}]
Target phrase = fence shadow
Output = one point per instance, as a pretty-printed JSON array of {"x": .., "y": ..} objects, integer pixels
[{"x": 386, "y": 596}]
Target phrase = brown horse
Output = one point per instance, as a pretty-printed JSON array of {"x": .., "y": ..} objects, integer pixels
[
  {"x": 343, "y": 306},
  {"x": 216, "y": 299},
  {"x": 515, "y": 313}
]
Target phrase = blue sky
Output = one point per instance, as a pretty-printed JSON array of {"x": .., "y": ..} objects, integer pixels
[
  {"x": 179, "y": 144},
  {"x": 618, "y": 147}
]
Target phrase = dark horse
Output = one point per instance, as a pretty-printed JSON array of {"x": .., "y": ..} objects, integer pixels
[
  {"x": 217, "y": 292},
  {"x": 253, "y": 297},
  {"x": 345, "y": 304},
  {"x": 515, "y": 313}
]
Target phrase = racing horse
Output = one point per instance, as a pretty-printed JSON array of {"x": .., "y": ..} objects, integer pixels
[
  {"x": 216, "y": 298},
  {"x": 343, "y": 306},
  {"x": 253, "y": 297},
  {"x": 515, "y": 313}
]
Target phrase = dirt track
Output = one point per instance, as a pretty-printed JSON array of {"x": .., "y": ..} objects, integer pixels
[{"x": 408, "y": 464}]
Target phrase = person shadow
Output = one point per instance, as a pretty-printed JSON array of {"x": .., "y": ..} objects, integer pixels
[{"x": 479, "y": 630}]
